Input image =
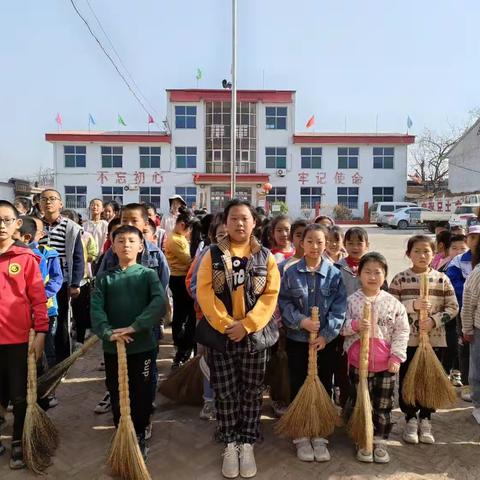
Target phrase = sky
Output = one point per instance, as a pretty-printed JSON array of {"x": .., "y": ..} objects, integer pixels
[{"x": 350, "y": 61}]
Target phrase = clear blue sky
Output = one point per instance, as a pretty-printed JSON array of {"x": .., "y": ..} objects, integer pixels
[{"x": 354, "y": 58}]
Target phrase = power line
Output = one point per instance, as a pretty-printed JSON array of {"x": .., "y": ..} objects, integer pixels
[{"x": 109, "y": 57}]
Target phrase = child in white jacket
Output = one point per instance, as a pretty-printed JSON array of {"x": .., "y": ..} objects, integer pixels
[{"x": 389, "y": 332}]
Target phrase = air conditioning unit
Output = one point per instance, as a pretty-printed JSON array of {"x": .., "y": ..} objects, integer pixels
[
  {"x": 281, "y": 172},
  {"x": 132, "y": 187}
]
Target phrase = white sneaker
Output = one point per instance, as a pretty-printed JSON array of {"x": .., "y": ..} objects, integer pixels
[
  {"x": 466, "y": 394},
  {"x": 230, "y": 465},
  {"x": 364, "y": 456},
  {"x": 456, "y": 378},
  {"x": 104, "y": 405},
  {"x": 248, "y": 467},
  {"x": 320, "y": 449},
  {"x": 380, "y": 452},
  {"x": 148, "y": 431},
  {"x": 410, "y": 434},
  {"x": 305, "y": 451},
  {"x": 208, "y": 411},
  {"x": 425, "y": 432},
  {"x": 279, "y": 409},
  {"x": 476, "y": 414}
]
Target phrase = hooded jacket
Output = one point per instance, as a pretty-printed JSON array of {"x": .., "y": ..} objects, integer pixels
[{"x": 22, "y": 295}]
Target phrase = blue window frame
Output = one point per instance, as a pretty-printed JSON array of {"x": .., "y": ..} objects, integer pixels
[
  {"x": 151, "y": 195},
  {"x": 348, "y": 196},
  {"x": 186, "y": 157},
  {"x": 112, "y": 157},
  {"x": 383, "y": 157},
  {"x": 189, "y": 194},
  {"x": 311, "y": 157},
  {"x": 310, "y": 196},
  {"x": 276, "y": 157},
  {"x": 276, "y": 118},
  {"x": 75, "y": 196},
  {"x": 347, "y": 157},
  {"x": 112, "y": 193},
  {"x": 185, "y": 116},
  {"x": 75, "y": 156},
  {"x": 149, "y": 157}
]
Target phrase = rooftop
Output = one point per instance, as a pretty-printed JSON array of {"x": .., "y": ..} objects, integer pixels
[{"x": 109, "y": 136}]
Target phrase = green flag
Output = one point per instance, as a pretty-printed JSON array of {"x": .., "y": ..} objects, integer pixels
[
  {"x": 121, "y": 121},
  {"x": 198, "y": 75}
]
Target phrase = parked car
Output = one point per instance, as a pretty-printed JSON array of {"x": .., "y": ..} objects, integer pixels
[
  {"x": 463, "y": 213},
  {"x": 430, "y": 219},
  {"x": 406, "y": 217},
  {"x": 378, "y": 211}
]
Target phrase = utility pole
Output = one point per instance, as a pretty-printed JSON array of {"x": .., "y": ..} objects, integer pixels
[{"x": 233, "y": 122}]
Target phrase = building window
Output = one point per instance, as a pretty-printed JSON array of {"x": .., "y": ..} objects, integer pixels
[
  {"x": 348, "y": 157},
  {"x": 310, "y": 197},
  {"x": 382, "y": 194},
  {"x": 277, "y": 194},
  {"x": 112, "y": 157},
  {"x": 311, "y": 157},
  {"x": 75, "y": 156},
  {"x": 276, "y": 118},
  {"x": 383, "y": 157},
  {"x": 276, "y": 157},
  {"x": 348, "y": 197},
  {"x": 189, "y": 194},
  {"x": 112, "y": 193},
  {"x": 185, "y": 117},
  {"x": 150, "y": 195},
  {"x": 186, "y": 157},
  {"x": 149, "y": 157},
  {"x": 75, "y": 197}
]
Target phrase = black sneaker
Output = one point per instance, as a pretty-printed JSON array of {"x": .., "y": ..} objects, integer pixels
[
  {"x": 142, "y": 443},
  {"x": 2, "y": 423},
  {"x": 2, "y": 448},
  {"x": 16, "y": 458}
]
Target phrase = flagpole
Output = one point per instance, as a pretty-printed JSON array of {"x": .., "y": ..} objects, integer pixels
[{"x": 233, "y": 122}]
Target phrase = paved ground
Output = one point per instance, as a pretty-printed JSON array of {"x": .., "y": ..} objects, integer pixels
[{"x": 182, "y": 447}]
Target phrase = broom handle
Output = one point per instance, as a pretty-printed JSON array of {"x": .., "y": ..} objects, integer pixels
[
  {"x": 424, "y": 294},
  {"x": 32, "y": 371},
  {"x": 312, "y": 352},
  {"x": 365, "y": 342},
  {"x": 123, "y": 380}
]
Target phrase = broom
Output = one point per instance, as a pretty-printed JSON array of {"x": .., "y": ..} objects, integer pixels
[
  {"x": 185, "y": 385},
  {"x": 125, "y": 458},
  {"x": 360, "y": 426},
  {"x": 425, "y": 382},
  {"x": 49, "y": 381},
  {"x": 40, "y": 437},
  {"x": 312, "y": 413},
  {"x": 276, "y": 375}
]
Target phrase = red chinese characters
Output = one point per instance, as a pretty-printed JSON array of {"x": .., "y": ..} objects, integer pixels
[
  {"x": 357, "y": 178},
  {"x": 139, "y": 177},
  {"x": 102, "y": 177},
  {"x": 157, "y": 178},
  {"x": 303, "y": 177},
  {"x": 321, "y": 178},
  {"x": 339, "y": 178},
  {"x": 121, "y": 177}
]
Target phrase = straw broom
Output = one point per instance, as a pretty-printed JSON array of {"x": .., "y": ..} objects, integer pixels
[
  {"x": 426, "y": 383},
  {"x": 40, "y": 437},
  {"x": 185, "y": 385},
  {"x": 312, "y": 413},
  {"x": 50, "y": 380},
  {"x": 360, "y": 426},
  {"x": 125, "y": 458},
  {"x": 276, "y": 375}
]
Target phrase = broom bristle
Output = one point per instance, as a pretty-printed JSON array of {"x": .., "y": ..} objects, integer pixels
[
  {"x": 125, "y": 458},
  {"x": 185, "y": 385},
  {"x": 360, "y": 425},
  {"x": 53, "y": 376},
  {"x": 311, "y": 414}
]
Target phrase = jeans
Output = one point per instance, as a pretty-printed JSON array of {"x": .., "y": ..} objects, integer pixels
[{"x": 474, "y": 374}]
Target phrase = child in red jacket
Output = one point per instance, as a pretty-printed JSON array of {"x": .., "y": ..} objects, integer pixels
[{"x": 22, "y": 307}]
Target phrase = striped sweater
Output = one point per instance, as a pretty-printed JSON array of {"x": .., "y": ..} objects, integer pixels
[
  {"x": 406, "y": 287},
  {"x": 471, "y": 300}
]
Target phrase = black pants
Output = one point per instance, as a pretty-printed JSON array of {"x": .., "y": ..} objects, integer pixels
[
  {"x": 13, "y": 383},
  {"x": 183, "y": 322},
  {"x": 298, "y": 365},
  {"x": 463, "y": 350},
  {"x": 81, "y": 312},
  {"x": 450, "y": 357},
  {"x": 62, "y": 335},
  {"x": 411, "y": 411},
  {"x": 340, "y": 370},
  {"x": 139, "y": 385}
]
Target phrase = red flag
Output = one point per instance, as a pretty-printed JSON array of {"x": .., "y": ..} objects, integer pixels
[
  {"x": 150, "y": 119},
  {"x": 58, "y": 119},
  {"x": 310, "y": 122}
]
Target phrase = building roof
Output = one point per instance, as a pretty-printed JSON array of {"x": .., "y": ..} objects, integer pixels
[
  {"x": 120, "y": 136},
  {"x": 354, "y": 138},
  {"x": 198, "y": 95}
]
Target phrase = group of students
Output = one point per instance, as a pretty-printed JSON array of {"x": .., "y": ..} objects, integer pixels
[{"x": 235, "y": 280}]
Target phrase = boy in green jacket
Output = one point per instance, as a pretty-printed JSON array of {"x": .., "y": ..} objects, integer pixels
[{"x": 126, "y": 304}]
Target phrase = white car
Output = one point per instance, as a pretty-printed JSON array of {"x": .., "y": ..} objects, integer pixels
[
  {"x": 406, "y": 217},
  {"x": 463, "y": 213}
]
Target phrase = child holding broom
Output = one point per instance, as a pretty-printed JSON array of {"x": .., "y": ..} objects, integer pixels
[
  {"x": 442, "y": 307},
  {"x": 119, "y": 316},
  {"x": 23, "y": 296},
  {"x": 389, "y": 332},
  {"x": 311, "y": 282}
]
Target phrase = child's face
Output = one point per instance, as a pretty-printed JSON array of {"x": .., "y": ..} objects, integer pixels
[
  {"x": 152, "y": 214},
  {"x": 456, "y": 248},
  {"x": 221, "y": 233},
  {"x": 134, "y": 218},
  {"x": 20, "y": 208},
  {"x": 40, "y": 230},
  {"x": 313, "y": 244},
  {"x": 281, "y": 234},
  {"x": 9, "y": 224},
  {"x": 334, "y": 245},
  {"x": 372, "y": 276},
  {"x": 472, "y": 240},
  {"x": 96, "y": 207},
  {"x": 116, "y": 227},
  {"x": 240, "y": 224},
  {"x": 421, "y": 255},
  {"x": 127, "y": 246},
  {"x": 297, "y": 239},
  {"x": 356, "y": 247},
  {"x": 149, "y": 235},
  {"x": 109, "y": 213}
]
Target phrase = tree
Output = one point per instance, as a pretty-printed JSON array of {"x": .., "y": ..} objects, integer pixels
[{"x": 45, "y": 177}]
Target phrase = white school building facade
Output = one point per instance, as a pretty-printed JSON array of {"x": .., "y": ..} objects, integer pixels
[{"x": 192, "y": 158}]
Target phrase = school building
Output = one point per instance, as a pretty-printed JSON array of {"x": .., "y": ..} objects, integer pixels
[{"x": 192, "y": 158}]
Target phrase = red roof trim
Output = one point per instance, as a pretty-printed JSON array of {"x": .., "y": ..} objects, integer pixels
[
  {"x": 355, "y": 139},
  {"x": 105, "y": 137},
  {"x": 263, "y": 96},
  {"x": 225, "y": 178}
]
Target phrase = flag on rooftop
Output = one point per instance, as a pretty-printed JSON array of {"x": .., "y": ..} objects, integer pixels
[
  {"x": 91, "y": 120},
  {"x": 311, "y": 122},
  {"x": 58, "y": 119},
  {"x": 409, "y": 122},
  {"x": 150, "y": 119},
  {"x": 121, "y": 121},
  {"x": 199, "y": 74}
]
